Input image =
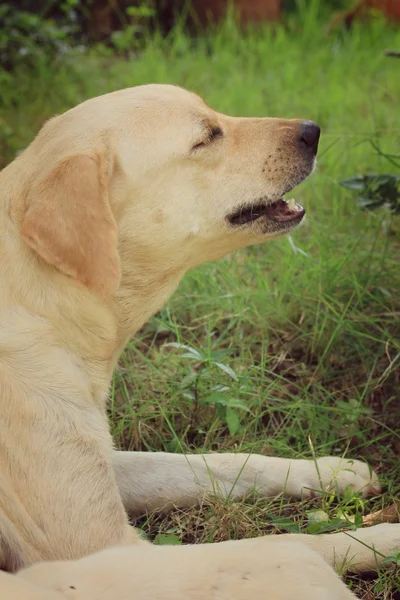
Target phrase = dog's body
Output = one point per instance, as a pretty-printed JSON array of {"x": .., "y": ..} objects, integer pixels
[{"x": 100, "y": 217}]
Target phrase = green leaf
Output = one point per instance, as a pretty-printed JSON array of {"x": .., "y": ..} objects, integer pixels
[
  {"x": 384, "y": 179},
  {"x": 317, "y": 516},
  {"x": 222, "y": 399},
  {"x": 191, "y": 356},
  {"x": 358, "y": 520},
  {"x": 234, "y": 403},
  {"x": 317, "y": 521},
  {"x": 215, "y": 398},
  {"x": 314, "y": 528},
  {"x": 354, "y": 183},
  {"x": 227, "y": 370},
  {"x": 221, "y": 411},
  {"x": 173, "y": 446},
  {"x": 191, "y": 352},
  {"x": 368, "y": 204},
  {"x": 217, "y": 355},
  {"x": 167, "y": 539},
  {"x": 188, "y": 380},
  {"x": 232, "y": 420},
  {"x": 220, "y": 388},
  {"x": 283, "y": 523}
]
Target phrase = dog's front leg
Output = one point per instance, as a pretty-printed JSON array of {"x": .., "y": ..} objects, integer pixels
[
  {"x": 159, "y": 481},
  {"x": 266, "y": 568},
  {"x": 276, "y": 567}
]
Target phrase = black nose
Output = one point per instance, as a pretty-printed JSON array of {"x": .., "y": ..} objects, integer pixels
[{"x": 309, "y": 135}]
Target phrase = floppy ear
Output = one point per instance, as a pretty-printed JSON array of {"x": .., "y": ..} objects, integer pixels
[{"x": 70, "y": 225}]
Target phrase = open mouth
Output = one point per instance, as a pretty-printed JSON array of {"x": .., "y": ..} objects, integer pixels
[{"x": 282, "y": 211}]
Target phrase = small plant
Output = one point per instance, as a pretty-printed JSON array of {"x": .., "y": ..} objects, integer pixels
[
  {"x": 226, "y": 405},
  {"x": 376, "y": 191}
]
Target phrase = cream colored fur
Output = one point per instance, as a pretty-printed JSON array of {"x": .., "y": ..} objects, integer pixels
[{"x": 100, "y": 218}]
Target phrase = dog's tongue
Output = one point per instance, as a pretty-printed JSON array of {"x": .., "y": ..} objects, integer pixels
[{"x": 282, "y": 211}]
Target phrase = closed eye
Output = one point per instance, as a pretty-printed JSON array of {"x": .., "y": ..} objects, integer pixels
[{"x": 213, "y": 134}]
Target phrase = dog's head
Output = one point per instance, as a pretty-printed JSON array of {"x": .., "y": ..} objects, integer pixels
[{"x": 151, "y": 175}]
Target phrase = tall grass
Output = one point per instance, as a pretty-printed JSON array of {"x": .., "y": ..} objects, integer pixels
[{"x": 308, "y": 325}]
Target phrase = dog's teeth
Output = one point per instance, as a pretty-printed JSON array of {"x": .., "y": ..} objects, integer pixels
[{"x": 291, "y": 203}]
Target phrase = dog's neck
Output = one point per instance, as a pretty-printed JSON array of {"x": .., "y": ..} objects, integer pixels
[{"x": 43, "y": 312}]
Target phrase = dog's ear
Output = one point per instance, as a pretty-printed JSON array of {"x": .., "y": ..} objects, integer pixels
[{"x": 69, "y": 223}]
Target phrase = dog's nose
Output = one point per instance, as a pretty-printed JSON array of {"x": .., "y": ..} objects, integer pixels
[{"x": 309, "y": 135}]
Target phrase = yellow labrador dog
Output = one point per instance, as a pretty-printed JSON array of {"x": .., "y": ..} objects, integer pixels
[{"x": 100, "y": 218}]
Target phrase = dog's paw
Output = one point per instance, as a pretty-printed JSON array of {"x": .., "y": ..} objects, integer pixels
[
  {"x": 366, "y": 549},
  {"x": 333, "y": 475},
  {"x": 384, "y": 538}
]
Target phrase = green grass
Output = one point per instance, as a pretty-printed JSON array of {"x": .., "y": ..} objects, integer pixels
[{"x": 314, "y": 335}]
